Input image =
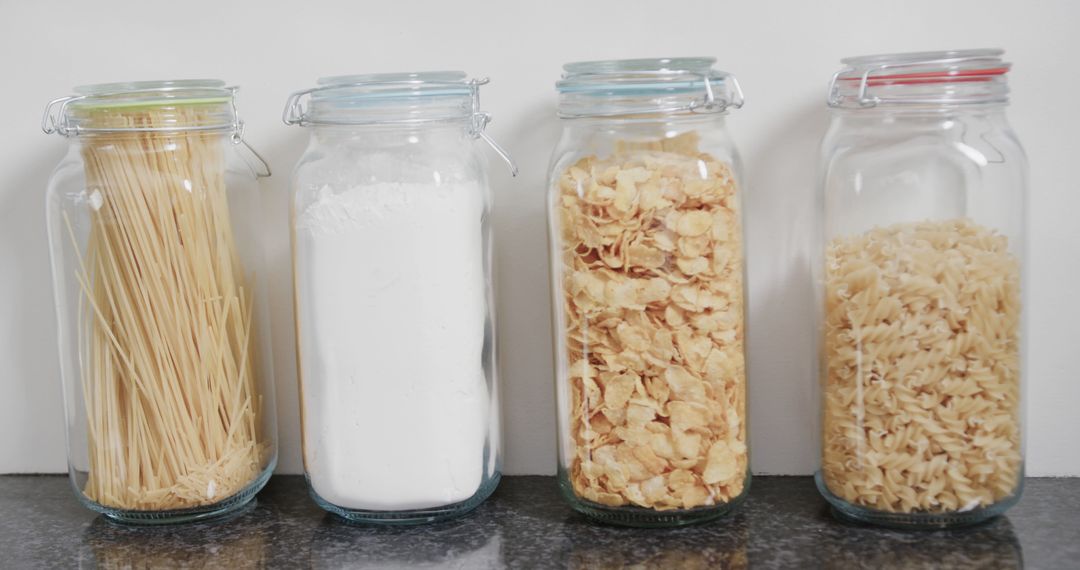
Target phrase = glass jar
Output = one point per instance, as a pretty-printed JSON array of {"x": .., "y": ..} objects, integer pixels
[
  {"x": 154, "y": 218},
  {"x": 923, "y": 189},
  {"x": 647, "y": 269},
  {"x": 395, "y": 319}
]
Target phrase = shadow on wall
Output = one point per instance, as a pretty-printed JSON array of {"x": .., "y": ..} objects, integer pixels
[
  {"x": 283, "y": 156},
  {"x": 523, "y": 299},
  {"x": 781, "y": 207},
  {"x": 28, "y": 323}
]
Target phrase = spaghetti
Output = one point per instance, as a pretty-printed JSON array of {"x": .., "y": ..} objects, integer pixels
[{"x": 165, "y": 332}]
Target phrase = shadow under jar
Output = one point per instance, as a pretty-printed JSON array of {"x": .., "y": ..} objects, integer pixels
[
  {"x": 647, "y": 267},
  {"x": 159, "y": 276},
  {"x": 395, "y": 325},
  {"x": 923, "y": 189}
]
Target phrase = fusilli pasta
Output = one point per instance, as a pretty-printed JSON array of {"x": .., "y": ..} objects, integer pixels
[{"x": 922, "y": 369}]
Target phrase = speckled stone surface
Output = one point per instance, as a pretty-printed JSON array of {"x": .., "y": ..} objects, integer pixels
[{"x": 784, "y": 524}]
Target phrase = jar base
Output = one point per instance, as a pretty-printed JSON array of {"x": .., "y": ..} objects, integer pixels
[
  {"x": 846, "y": 511},
  {"x": 648, "y": 518},
  {"x": 410, "y": 517},
  {"x": 223, "y": 509}
]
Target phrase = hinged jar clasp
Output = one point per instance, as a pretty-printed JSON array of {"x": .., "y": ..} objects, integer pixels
[
  {"x": 480, "y": 122},
  {"x": 711, "y": 104},
  {"x": 55, "y": 122}
]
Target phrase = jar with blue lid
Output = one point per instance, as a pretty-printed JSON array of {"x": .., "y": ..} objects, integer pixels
[
  {"x": 648, "y": 284},
  {"x": 395, "y": 323}
]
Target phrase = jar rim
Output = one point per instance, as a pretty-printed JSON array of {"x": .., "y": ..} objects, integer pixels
[
  {"x": 381, "y": 98},
  {"x": 948, "y": 77},
  {"x": 178, "y": 105},
  {"x": 402, "y": 77},
  {"x": 578, "y": 74},
  {"x": 403, "y": 99},
  {"x": 925, "y": 56},
  {"x": 666, "y": 85},
  {"x": 399, "y": 85}
]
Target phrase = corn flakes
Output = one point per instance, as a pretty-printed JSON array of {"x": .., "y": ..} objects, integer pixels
[{"x": 651, "y": 248}]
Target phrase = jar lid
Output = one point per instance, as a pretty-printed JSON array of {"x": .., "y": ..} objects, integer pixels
[
  {"x": 409, "y": 98},
  {"x": 379, "y": 98},
  {"x": 624, "y": 87},
  {"x": 953, "y": 77},
  {"x": 144, "y": 106}
]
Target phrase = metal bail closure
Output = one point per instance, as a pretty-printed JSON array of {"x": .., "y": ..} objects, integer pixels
[
  {"x": 261, "y": 168},
  {"x": 864, "y": 99},
  {"x": 251, "y": 157},
  {"x": 294, "y": 110},
  {"x": 479, "y": 123},
  {"x": 711, "y": 104},
  {"x": 55, "y": 122}
]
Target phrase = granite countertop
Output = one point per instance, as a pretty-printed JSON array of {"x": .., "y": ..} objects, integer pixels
[{"x": 525, "y": 524}]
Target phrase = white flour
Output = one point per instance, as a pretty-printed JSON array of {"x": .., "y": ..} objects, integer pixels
[{"x": 391, "y": 311}]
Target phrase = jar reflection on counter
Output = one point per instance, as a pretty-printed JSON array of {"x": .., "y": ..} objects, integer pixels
[
  {"x": 920, "y": 275},
  {"x": 648, "y": 293},
  {"x": 394, "y": 311}
]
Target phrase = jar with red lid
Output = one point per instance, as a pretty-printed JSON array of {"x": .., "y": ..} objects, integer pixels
[{"x": 920, "y": 276}]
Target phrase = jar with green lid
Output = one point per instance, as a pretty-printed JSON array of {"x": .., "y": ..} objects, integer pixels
[{"x": 159, "y": 277}]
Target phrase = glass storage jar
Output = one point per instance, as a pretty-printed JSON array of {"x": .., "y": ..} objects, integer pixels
[
  {"x": 647, "y": 270},
  {"x": 159, "y": 278},
  {"x": 395, "y": 319},
  {"x": 919, "y": 279}
]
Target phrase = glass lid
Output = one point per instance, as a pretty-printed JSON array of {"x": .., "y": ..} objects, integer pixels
[
  {"x": 646, "y": 86},
  {"x": 949, "y": 77},
  {"x": 147, "y": 106},
  {"x": 385, "y": 98}
]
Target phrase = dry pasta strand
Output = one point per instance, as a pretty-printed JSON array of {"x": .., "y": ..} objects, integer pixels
[{"x": 165, "y": 335}]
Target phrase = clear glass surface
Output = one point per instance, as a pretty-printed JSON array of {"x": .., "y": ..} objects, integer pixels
[
  {"x": 395, "y": 321},
  {"x": 163, "y": 324},
  {"x": 648, "y": 285},
  {"x": 920, "y": 280}
]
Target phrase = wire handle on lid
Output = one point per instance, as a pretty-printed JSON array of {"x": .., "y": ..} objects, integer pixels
[
  {"x": 480, "y": 122},
  {"x": 54, "y": 123},
  {"x": 262, "y": 168},
  {"x": 294, "y": 109},
  {"x": 256, "y": 162},
  {"x": 710, "y": 103}
]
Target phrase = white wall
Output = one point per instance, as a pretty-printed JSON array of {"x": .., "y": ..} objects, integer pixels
[{"x": 783, "y": 53}]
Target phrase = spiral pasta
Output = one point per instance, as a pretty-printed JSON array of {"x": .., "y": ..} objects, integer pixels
[{"x": 922, "y": 368}]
